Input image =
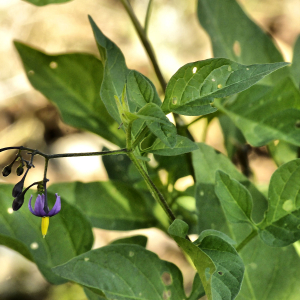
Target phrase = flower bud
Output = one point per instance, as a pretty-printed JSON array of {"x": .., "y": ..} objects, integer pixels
[
  {"x": 20, "y": 170},
  {"x": 18, "y": 202},
  {"x": 6, "y": 171},
  {"x": 18, "y": 188}
]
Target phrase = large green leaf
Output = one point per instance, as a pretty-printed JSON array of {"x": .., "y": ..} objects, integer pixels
[
  {"x": 72, "y": 82},
  {"x": 125, "y": 272},
  {"x": 217, "y": 262},
  {"x": 282, "y": 152},
  {"x": 234, "y": 197},
  {"x": 264, "y": 114},
  {"x": 46, "y": 2},
  {"x": 183, "y": 145},
  {"x": 206, "y": 162},
  {"x": 109, "y": 205},
  {"x": 271, "y": 273},
  {"x": 235, "y": 36},
  {"x": 69, "y": 234},
  {"x": 212, "y": 78},
  {"x": 281, "y": 226},
  {"x": 115, "y": 71}
]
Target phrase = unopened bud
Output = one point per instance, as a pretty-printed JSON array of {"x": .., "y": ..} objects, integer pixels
[
  {"x": 18, "y": 202},
  {"x": 18, "y": 188},
  {"x": 6, "y": 171},
  {"x": 20, "y": 170}
]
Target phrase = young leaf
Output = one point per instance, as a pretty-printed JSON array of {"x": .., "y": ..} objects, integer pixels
[
  {"x": 46, "y": 2},
  {"x": 69, "y": 234},
  {"x": 264, "y": 114},
  {"x": 281, "y": 226},
  {"x": 115, "y": 71},
  {"x": 125, "y": 272},
  {"x": 212, "y": 78},
  {"x": 141, "y": 90},
  {"x": 110, "y": 205},
  {"x": 206, "y": 162},
  {"x": 235, "y": 199},
  {"x": 219, "y": 266},
  {"x": 220, "y": 18},
  {"x": 183, "y": 145}
]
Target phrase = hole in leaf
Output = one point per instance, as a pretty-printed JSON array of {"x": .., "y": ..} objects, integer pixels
[
  {"x": 174, "y": 100},
  {"x": 34, "y": 246},
  {"x": 10, "y": 210},
  {"x": 53, "y": 65},
  {"x": 237, "y": 48},
  {"x": 30, "y": 72},
  {"x": 220, "y": 273},
  {"x": 166, "y": 294},
  {"x": 194, "y": 70},
  {"x": 166, "y": 278}
]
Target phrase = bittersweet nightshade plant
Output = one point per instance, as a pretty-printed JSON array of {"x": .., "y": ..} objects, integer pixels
[{"x": 240, "y": 232}]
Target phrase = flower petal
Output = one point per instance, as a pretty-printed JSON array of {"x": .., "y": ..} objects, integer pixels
[
  {"x": 39, "y": 206},
  {"x": 30, "y": 208},
  {"x": 56, "y": 208}
]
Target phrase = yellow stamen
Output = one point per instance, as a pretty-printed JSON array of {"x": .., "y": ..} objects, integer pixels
[{"x": 45, "y": 225}]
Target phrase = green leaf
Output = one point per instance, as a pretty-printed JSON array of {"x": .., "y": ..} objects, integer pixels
[
  {"x": 141, "y": 90},
  {"x": 217, "y": 262},
  {"x": 212, "y": 78},
  {"x": 93, "y": 294},
  {"x": 109, "y": 205},
  {"x": 295, "y": 67},
  {"x": 264, "y": 114},
  {"x": 151, "y": 112},
  {"x": 125, "y": 272},
  {"x": 206, "y": 162},
  {"x": 234, "y": 197},
  {"x": 46, "y": 2},
  {"x": 282, "y": 152},
  {"x": 115, "y": 71},
  {"x": 271, "y": 273},
  {"x": 235, "y": 36},
  {"x": 135, "y": 240},
  {"x": 72, "y": 82},
  {"x": 198, "y": 289},
  {"x": 233, "y": 137},
  {"x": 165, "y": 133},
  {"x": 69, "y": 234},
  {"x": 183, "y": 145},
  {"x": 281, "y": 226}
]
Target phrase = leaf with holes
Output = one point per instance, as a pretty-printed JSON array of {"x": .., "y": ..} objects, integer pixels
[
  {"x": 219, "y": 266},
  {"x": 281, "y": 226},
  {"x": 69, "y": 234},
  {"x": 72, "y": 82},
  {"x": 245, "y": 43},
  {"x": 211, "y": 78},
  {"x": 235, "y": 199},
  {"x": 125, "y": 272},
  {"x": 110, "y": 205},
  {"x": 264, "y": 113}
]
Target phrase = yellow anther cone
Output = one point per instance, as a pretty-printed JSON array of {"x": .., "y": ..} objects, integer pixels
[{"x": 45, "y": 225}]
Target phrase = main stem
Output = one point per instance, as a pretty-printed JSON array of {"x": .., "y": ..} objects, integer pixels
[{"x": 252, "y": 235}]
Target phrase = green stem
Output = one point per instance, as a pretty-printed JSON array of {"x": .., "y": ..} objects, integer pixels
[
  {"x": 143, "y": 37},
  {"x": 252, "y": 235},
  {"x": 147, "y": 18},
  {"x": 152, "y": 187}
]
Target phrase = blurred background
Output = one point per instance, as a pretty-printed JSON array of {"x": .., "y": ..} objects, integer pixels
[{"x": 28, "y": 119}]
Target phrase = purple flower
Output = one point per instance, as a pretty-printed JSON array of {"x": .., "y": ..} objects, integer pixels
[{"x": 41, "y": 209}]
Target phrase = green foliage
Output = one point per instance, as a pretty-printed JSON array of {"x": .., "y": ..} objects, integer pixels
[
  {"x": 110, "y": 205},
  {"x": 69, "y": 234},
  {"x": 63, "y": 80},
  {"x": 126, "y": 272}
]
